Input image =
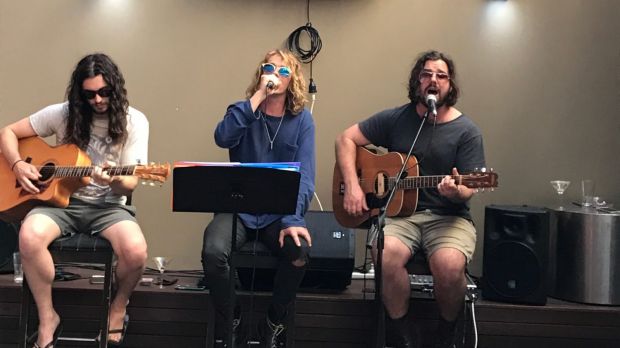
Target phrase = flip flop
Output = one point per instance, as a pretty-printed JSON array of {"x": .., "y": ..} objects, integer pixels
[
  {"x": 122, "y": 331},
  {"x": 57, "y": 333}
]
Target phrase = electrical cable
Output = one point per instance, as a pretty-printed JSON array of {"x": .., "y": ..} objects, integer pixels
[
  {"x": 473, "y": 318},
  {"x": 306, "y": 55}
]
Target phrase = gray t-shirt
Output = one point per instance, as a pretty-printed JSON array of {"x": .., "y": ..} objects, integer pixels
[
  {"x": 51, "y": 120},
  {"x": 454, "y": 144}
]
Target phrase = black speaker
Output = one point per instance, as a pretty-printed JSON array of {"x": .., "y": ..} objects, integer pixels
[
  {"x": 8, "y": 245},
  {"x": 516, "y": 254},
  {"x": 332, "y": 257}
]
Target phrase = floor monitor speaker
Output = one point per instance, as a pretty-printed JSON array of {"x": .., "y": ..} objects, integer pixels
[{"x": 516, "y": 254}]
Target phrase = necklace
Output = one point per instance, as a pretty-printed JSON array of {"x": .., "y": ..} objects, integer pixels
[{"x": 271, "y": 140}]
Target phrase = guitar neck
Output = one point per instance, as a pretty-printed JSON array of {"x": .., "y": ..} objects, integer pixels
[
  {"x": 81, "y": 171},
  {"x": 416, "y": 182}
]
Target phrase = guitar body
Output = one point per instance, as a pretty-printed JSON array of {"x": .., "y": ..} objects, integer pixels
[
  {"x": 15, "y": 203},
  {"x": 374, "y": 171}
]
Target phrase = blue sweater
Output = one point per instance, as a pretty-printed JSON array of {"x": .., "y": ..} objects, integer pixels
[{"x": 246, "y": 139}]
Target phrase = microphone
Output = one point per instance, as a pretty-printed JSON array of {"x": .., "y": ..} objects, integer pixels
[
  {"x": 270, "y": 85},
  {"x": 431, "y": 102}
]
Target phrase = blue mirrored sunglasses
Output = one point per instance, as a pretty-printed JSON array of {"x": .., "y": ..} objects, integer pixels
[{"x": 269, "y": 68}]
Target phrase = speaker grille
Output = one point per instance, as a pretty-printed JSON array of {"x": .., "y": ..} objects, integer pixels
[
  {"x": 516, "y": 248},
  {"x": 515, "y": 271}
]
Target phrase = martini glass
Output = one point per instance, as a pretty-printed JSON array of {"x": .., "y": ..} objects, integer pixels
[
  {"x": 560, "y": 186},
  {"x": 161, "y": 262}
]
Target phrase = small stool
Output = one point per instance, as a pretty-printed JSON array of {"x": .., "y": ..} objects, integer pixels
[{"x": 79, "y": 248}]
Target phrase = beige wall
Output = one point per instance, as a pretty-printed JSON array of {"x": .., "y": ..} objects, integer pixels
[{"x": 541, "y": 79}]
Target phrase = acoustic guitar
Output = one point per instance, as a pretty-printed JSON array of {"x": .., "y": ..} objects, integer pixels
[
  {"x": 64, "y": 169},
  {"x": 377, "y": 175}
]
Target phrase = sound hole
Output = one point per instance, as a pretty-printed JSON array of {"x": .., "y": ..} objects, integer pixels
[
  {"x": 515, "y": 270},
  {"x": 47, "y": 171}
]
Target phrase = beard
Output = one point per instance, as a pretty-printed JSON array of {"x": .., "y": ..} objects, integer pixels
[{"x": 441, "y": 100}]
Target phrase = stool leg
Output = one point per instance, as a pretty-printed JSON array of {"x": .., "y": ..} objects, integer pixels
[
  {"x": 106, "y": 298},
  {"x": 290, "y": 326},
  {"x": 24, "y": 316},
  {"x": 210, "y": 324}
]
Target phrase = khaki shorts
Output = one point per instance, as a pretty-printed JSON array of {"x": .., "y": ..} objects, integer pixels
[
  {"x": 84, "y": 217},
  {"x": 430, "y": 232}
]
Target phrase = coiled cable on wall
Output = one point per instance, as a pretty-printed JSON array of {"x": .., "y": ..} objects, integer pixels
[
  {"x": 293, "y": 43},
  {"x": 306, "y": 55}
]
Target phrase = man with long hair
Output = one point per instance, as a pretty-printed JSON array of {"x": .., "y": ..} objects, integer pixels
[
  {"x": 441, "y": 227},
  {"x": 98, "y": 119},
  {"x": 271, "y": 125}
]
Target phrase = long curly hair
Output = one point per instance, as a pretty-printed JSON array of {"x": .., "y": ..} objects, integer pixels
[
  {"x": 295, "y": 93},
  {"x": 80, "y": 116},
  {"x": 414, "y": 78}
]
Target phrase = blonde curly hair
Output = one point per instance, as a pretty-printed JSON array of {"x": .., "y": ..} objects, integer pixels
[{"x": 295, "y": 93}]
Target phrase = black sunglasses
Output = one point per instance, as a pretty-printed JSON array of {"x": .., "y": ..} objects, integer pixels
[{"x": 103, "y": 92}]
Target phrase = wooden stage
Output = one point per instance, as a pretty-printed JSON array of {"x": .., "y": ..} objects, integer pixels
[{"x": 174, "y": 318}]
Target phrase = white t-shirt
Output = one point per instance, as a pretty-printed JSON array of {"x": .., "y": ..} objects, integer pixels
[{"x": 51, "y": 120}]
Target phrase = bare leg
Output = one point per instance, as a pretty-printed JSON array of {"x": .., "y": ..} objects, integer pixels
[
  {"x": 35, "y": 235},
  {"x": 396, "y": 287},
  {"x": 130, "y": 247},
  {"x": 448, "y": 269}
]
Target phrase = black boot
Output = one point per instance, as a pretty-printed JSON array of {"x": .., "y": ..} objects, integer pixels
[
  {"x": 272, "y": 335},
  {"x": 446, "y": 334},
  {"x": 405, "y": 333}
]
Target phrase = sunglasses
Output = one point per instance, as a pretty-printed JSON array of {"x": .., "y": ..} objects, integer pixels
[
  {"x": 426, "y": 75},
  {"x": 269, "y": 68},
  {"x": 103, "y": 92}
]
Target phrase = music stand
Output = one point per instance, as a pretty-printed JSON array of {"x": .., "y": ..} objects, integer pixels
[{"x": 234, "y": 190}]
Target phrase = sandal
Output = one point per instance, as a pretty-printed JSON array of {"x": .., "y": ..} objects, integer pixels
[
  {"x": 122, "y": 331},
  {"x": 57, "y": 333}
]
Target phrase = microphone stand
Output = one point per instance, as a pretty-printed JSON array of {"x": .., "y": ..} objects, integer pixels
[{"x": 379, "y": 224}]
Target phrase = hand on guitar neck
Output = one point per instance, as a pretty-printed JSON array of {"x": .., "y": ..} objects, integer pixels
[
  {"x": 449, "y": 188},
  {"x": 100, "y": 177}
]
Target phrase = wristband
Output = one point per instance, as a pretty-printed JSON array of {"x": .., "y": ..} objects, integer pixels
[{"x": 14, "y": 163}]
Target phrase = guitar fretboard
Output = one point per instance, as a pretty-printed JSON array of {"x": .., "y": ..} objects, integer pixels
[
  {"x": 415, "y": 182},
  {"x": 74, "y": 171}
]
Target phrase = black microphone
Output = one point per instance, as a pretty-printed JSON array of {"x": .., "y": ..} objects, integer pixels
[
  {"x": 431, "y": 102},
  {"x": 270, "y": 85}
]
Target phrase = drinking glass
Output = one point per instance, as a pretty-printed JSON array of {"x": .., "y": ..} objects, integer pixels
[
  {"x": 560, "y": 186},
  {"x": 161, "y": 262}
]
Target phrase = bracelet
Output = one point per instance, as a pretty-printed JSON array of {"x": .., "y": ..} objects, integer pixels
[{"x": 14, "y": 163}]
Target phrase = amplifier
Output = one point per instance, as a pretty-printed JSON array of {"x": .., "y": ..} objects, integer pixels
[
  {"x": 332, "y": 257},
  {"x": 423, "y": 284}
]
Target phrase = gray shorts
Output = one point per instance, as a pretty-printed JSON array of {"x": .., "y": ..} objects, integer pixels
[
  {"x": 430, "y": 232},
  {"x": 83, "y": 217}
]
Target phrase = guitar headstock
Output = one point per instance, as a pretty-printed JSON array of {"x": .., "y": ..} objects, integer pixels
[
  {"x": 153, "y": 172},
  {"x": 480, "y": 179}
]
